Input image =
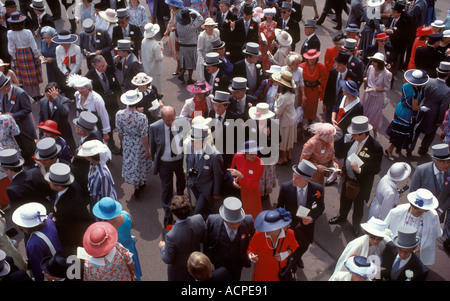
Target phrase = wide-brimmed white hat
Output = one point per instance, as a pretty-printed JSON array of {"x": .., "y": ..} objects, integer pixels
[
  {"x": 131, "y": 97},
  {"x": 260, "y": 111},
  {"x": 30, "y": 215},
  {"x": 109, "y": 15},
  {"x": 283, "y": 37},
  {"x": 209, "y": 22},
  {"x": 399, "y": 171},
  {"x": 91, "y": 148},
  {"x": 150, "y": 30},
  {"x": 141, "y": 79},
  {"x": 423, "y": 199},
  {"x": 374, "y": 3},
  {"x": 375, "y": 227},
  {"x": 379, "y": 57}
]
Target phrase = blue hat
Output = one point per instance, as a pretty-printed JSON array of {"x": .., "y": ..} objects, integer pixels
[
  {"x": 362, "y": 267},
  {"x": 175, "y": 3},
  {"x": 107, "y": 208},
  {"x": 416, "y": 77},
  {"x": 349, "y": 86},
  {"x": 271, "y": 220},
  {"x": 352, "y": 28}
]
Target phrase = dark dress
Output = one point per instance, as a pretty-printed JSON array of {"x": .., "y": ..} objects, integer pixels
[{"x": 49, "y": 51}]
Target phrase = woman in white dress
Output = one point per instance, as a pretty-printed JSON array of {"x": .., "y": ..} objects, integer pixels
[
  {"x": 152, "y": 54},
  {"x": 204, "y": 45}
]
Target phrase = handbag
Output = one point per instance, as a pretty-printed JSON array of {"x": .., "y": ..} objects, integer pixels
[
  {"x": 352, "y": 189},
  {"x": 289, "y": 271}
]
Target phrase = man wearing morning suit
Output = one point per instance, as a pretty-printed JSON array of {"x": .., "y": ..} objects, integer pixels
[
  {"x": 300, "y": 191},
  {"x": 311, "y": 40},
  {"x": 240, "y": 101},
  {"x": 94, "y": 42},
  {"x": 250, "y": 67},
  {"x": 167, "y": 160},
  {"x": 125, "y": 30},
  {"x": 241, "y": 32},
  {"x": 16, "y": 102},
  {"x": 214, "y": 74},
  {"x": 358, "y": 179},
  {"x": 56, "y": 107},
  {"x": 399, "y": 31},
  {"x": 105, "y": 83},
  {"x": 227, "y": 237},
  {"x": 128, "y": 63},
  {"x": 223, "y": 17},
  {"x": 289, "y": 24},
  {"x": 204, "y": 167},
  {"x": 399, "y": 259},
  {"x": 428, "y": 57}
]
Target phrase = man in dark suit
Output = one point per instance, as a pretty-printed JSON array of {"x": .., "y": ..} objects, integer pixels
[
  {"x": 204, "y": 166},
  {"x": 227, "y": 237},
  {"x": 26, "y": 185},
  {"x": 167, "y": 157},
  {"x": 226, "y": 66},
  {"x": 240, "y": 101},
  {"x": 399, "y": 30},
  {"x": 214, "y": 75},
  {"x": 105, "y": 83},
  {"x": 95, "y": 42},
  {"x": 223, "y": 118},
  {"x": 358, "y": 179},
  {"x": 125, "y": 30},
  {"x": 435, "y": 97},
  {"x": 223, "y": 17},
  {"x": 43, "y": 18},
  {"x": 48, "y": 153},
  {"x": 4, "y": 54},
  {"x": 312, "y": 40},
  {"x": 250, "y": 67},
  {"x": 333, "y": 88},
  {"x": 71, "y": 214},
  {"x": 289, "y": 24},
  {"x": 56, "y": 107},
  {"x": 242, "y": 31},
  {"x": 296, "y": 12},
  {"x": 127, "y": 63},
  {"x": 428, "y": 57},
  {"x": 16, "y": 102},
  {"x": 398, "y": 257},
  {"x": 354, "y": 64},
  {"x": 302, "y": 192}
]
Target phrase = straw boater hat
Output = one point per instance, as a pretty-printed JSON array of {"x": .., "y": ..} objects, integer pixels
[
  {"x": 59, "y": 174},
  {"x": 423, "y": 199},
  {"x": 375, "y": 227},
  {"x": 231, "y": 210},
  {"x": 362, "y": 267},
  {"x": 440, "y": 152},
  {"x": 141, "y": 79},
  {"x": 107, "y": 208},
  {"x": 260, "y": 111},
  {"x": 438, "y": 24},
  {"x": 150, "y": 30},
  {"x": 284, "y": 78},
  {"x": 86, "y": 121},
  {"x": 305, "y": 169},
  {"x": 238, "y": 84},
  {"x": 47, "y": 148},
  {"x": 30, "y": 215},
  {"x": 209, "y": 22},
  {"x": 416, "y": 77},
  {"x": 360, "y": 124},
  {"x": 10, "y": 158},
  {"x": 271, "y": 220},
  {"x": 99, "y": 239},
  {"x": 406, "y": 238},
  {"x": 65, "y": 37},
  {"x": 444, "y": 67},
  {"x": 131, "y": 97},
  {"x": 109, "y": 15},
  {"x": 399, "y": 171},
  {"x": 283, "y": 37},
  {"x": 199, "y": 87}
]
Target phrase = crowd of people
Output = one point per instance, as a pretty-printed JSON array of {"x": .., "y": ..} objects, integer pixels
[{"x": 254, "y": 96}]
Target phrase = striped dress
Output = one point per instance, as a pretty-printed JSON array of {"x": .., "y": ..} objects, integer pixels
[{"x": 101, "y": 183}]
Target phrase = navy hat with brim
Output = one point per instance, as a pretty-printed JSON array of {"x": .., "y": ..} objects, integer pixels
[
  {"x": 349, "y": 86},
  {"x": 64, "y": 37},
  {"x": 271, "y": 220},
  {"x": 416, "y": 77}
]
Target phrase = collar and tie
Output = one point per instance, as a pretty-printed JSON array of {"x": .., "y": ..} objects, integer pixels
[{"x": 172, "y": 154}]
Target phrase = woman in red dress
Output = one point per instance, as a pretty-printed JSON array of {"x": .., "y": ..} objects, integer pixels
[
  {"x": 315, "y": 80},
  {"x": 332, "y": 52},
  {"x": 267, "y": 28},
  {"x": 248, "y": 169},
  {"x": 271, "y": 244}
]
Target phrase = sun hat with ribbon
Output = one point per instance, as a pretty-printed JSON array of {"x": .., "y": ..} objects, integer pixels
[
  {"x": 59, "y": 174},
  {"x": 284, "y": 78},
  {"x": 109, "y": 15},
  {"x": 271, "y": 220},
  {"x": 375, "y": 227},
  {"x": 131, "y": 97},
  {"x": 231, "y": 210},
  {"x": 107, "y": 208},
  {"x": 199, "y": 87},
  {"x": 99, "y": 239},
  {"x": 91, "y": 148},
  {"x": 141, "y": 79},
  {"x": 423, "y": 198},
  {"x": 379, "y": 57},
  {"x": 209, "y": 22},
  {"x": 362, "y": 267},
  {"x": 260, "y": 111},
  {"x": 29, "y": 215}
]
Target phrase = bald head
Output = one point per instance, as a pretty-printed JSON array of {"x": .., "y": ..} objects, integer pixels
[{"x": 168, "y": 115}]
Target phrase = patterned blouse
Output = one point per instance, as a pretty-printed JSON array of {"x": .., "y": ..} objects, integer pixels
[
  {"x": 138, "y": 16},
  {"x": 8, "y": 129}
]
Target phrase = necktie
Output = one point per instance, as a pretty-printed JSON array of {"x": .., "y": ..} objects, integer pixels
[
  {"x": 440, "y": 179},
  {"x": 339, "y": 114},
  {"x": 124, "y": 64},
  {"x": 105, "y": 81},
  {"x": 395, "y": 269},
  {"x": 220, "y": 118},
  {"x": 246, "y": 27},
  {"x": 231, "y": 234},
  {"x": 251, "y": 68},
  {"x": 172, "y": 154},
  {"x": 284, "y": 24},
  {"x": 300, "y": 196}
]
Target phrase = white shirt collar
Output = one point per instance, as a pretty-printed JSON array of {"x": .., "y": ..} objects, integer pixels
[{"x": 101, "y": 261}]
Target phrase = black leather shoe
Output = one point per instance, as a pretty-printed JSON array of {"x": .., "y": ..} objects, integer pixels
[{"x": 336, "y": 220}]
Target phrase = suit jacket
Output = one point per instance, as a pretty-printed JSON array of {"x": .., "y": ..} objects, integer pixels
[
  {"x": 60, "y": 115},
  {"x": 20, "y": 106},
  {"x": 312, "y": 43},
  {"x": 331, "y": 95},
  {"x": 371, "y": 154},
  {"x": 250, "y": 100},
  {"x": 237, "y": 39},
  {"x": 428, "y": 58},
  {"x": 356, "y": 12},
  {"x": 424, "y": 177},
  {"x": 357, "y": 67},
  {"x": 183, "y": 239},
  {"x": 209, "y": 172},
  {"x": 287, "y": 199},
  {"x": 219, "y": 250},
  {"x": 293, "y": 28},
  {"x": 414, "y": 264},
  {"x": 297, "y": 14},
  {"x": 402, "y": 29},
  {"x": 417, "y": 13},
  {"x": 372, "y": 49},
  {"x": 131, "y": 68},
  {"x": 100, "y": 40},
  {"x": 436, "y": 97},
  {"x": 135, "y": 35},
  {"x": 110, "y": 97},
  {"x": 47, "y": 20},
  {"x": 221, "y": 81},
  {"x": 240, "y": 70}
]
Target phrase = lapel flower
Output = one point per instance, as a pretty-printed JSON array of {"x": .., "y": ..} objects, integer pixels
[
  {"x": 206, "y": 157},
  {"x": 258, "y": 66},
  {"x": 317, "y": 194},
  {"x": 348, "y": 78},
  {"x": 13, "y": 96},
  {"x": 131, "y": 33},
  {"x": 217, "y": 80},
  {"x": 409, "y": 274}
]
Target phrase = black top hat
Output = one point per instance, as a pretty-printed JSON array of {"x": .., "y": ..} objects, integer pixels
[
  {"x": 10, "y": 3},
  {"x": 342, "y": 57},
  {"x": 248, "y": 9},
  {"x": 55, "y": 265}
]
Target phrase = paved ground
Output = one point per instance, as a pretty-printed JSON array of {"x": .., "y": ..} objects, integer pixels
[{"x": 330, "y": 240}]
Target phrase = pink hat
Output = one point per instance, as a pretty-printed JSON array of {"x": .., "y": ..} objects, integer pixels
[
  {"x": 199, "y": 87},
  {"x": 99, "y": 239}
]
